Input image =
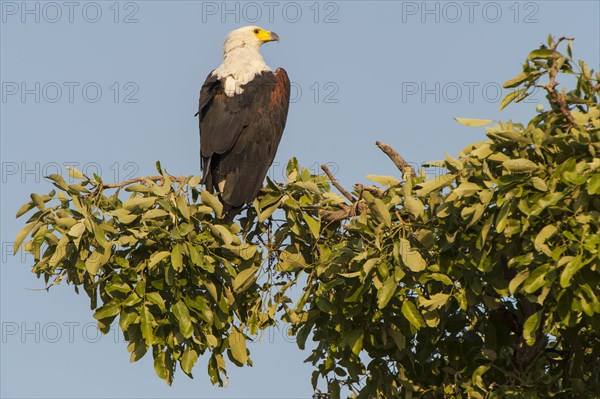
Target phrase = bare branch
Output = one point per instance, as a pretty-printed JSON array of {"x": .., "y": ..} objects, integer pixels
[
  {"x": 556, "y": 98},
  {"x": 345, "y": 212},
  {"x": 141, "y": 180},
  {"x": 560, "y": 39},
  {"x": 339, "y": 214},
  {"x": 396, "y": 158},
  {"x": 336, "y": 184},
  {"x": 376, "y": 191}
]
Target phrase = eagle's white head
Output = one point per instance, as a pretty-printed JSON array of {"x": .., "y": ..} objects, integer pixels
[
  {"x": 247, "y": 37},
  {"x": 241, "y": 57}
]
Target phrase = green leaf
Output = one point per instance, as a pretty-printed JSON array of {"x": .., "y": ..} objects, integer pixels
[
  {"x": 466, "y": 189},
  {"x": 290, "y": 261},
  {"x": 194, "y": 181},
  {"x": 212, "y": 201},
  {"x": 569, "y": 271},
  {"x": 77, "y": 230},
  {"x": 222, "y": 233},
  {"x": 379, "y": 208},
  {"x": 138, "y": 349},
  {"x": 414, "y": 206},
  {"x": 161, "y": 368},
  {"x": 25, "y": 208},
  {"x": 183, "y": 207},
  {"x": 412, "y": 314},
  {"x": 244, "y": 251},
  {"x": 398, "y": 338},
  {"x": 453, "y": 164},
  {"x": 593, "y": 185},
  {"x": 540, "y": 240},
  {"x": 514, "y": 82},
  {"x": 544, "y": 53},
  {"x": 125, "y": 218},
  {"x": 74, "y": 173},
  {"x": 536, "y": 279},
  {"x": 38, "y": 201},
  {"x": 188, "y": 360},
  {"x": 155, "y": 298},
  {"x": 59, "y": 181},
  {"x": 164, "y": 188},
  {"x": 516, "y": 281},
  {"x": 355, "y": 341},
  {"x": 519, "y": 165},
  {"x": 510, "y": 98},
  {"x": 387, "y": 181},
  {"x": 269, "y": 199},
  {"x": 302, "y": 335},
  {"x": 313, "y": 225},
  {"x": 138, "y": 203},
  {"x": 435, "y": 301},
  {"x": 473, "y": 122},
  {"x": 539, "y": 184},
  {"x": 502, "y": 217},
  {"x": 154, "y": 214},
  {"x": 477, "y": 379},
  {"x": 177, "y": 258},
  {"x": 147, "y": 320},
  {"x": 106, "y": 311},
  {"x": 386, "y": 292},
  {"x": 326, "y": 306},
  {"x": 435, "y": 184},
  {"x": 96, "y": 260},
  {"x": 265, "y": 213},
  {"x": 157, "y": 257},
  {"x": 530, "y": 328},
  {"x": 442, "y": 278},
  {"x": 411, "y": 257},
  {"x": 309, "y": 185},
  {"x": 138, "y": 188},
  {"x": 182, "y": 314},
  {"x": 99, "y": 236},
  {"x": 237, "y": 345},
  {"x": 245, "y": 279},
  {"x": 22, "y": 235}
]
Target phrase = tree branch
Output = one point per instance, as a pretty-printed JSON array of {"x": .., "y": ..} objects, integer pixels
[
  {"x": 339, "y": 214},
  {"x": 139, "y": 180},
  {"x": 336, "y": 184},
  {"x": 556, "y": 98},
  {"x": 376, "y": 191},
  {"x": 357, "y": 206},
  {"x": 396, "y": 158}
]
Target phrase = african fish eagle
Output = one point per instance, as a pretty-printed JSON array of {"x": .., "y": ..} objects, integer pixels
[{"x": 243, "y": 108}]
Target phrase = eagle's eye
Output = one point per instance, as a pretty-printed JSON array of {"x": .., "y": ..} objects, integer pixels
[{"x": 256, "y": 31}]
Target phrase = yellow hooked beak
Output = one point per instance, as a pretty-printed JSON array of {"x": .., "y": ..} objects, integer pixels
[{"x": 266, "y": 36}]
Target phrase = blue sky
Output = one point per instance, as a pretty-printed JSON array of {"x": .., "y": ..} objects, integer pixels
[{"x": 111, "y": 87}]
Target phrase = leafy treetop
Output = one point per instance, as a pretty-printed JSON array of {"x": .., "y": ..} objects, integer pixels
[{"x": 481, "y": 282}]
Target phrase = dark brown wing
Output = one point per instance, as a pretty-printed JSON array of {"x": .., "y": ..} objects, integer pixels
[
  {"x": 239, "y": 135},
  {"x": 222, "y": 118}
]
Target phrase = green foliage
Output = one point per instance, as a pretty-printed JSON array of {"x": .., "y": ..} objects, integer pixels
[
  {"x": 482, "y": 282},
  {"x": 178, "y": 283}
]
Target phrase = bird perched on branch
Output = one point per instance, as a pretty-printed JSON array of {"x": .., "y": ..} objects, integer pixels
[{"x": 243, "y": 109}]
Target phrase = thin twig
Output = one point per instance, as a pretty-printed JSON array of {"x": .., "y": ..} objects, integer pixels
[
  {"x": 555, "y": 97},
  {"x": 396, "y": 158},
  {"x": 141, "y": 180},
  {"x": 337, "y": 184}
]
